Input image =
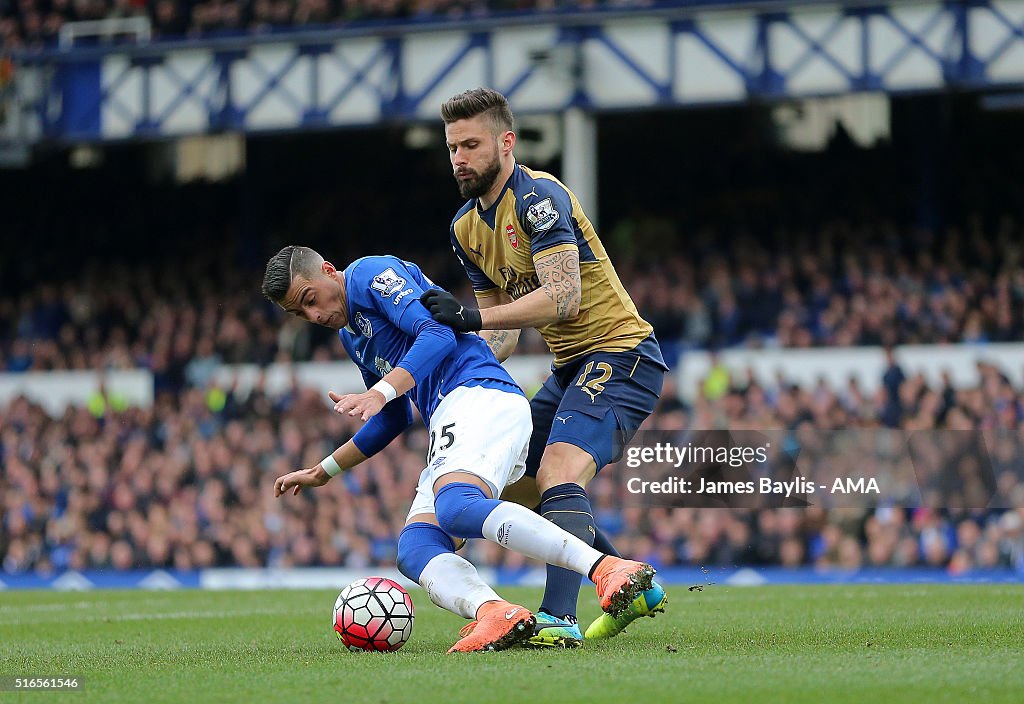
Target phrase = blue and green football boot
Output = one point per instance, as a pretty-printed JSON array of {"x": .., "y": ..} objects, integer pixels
[
  {"x": 553, "y": 632},
  {"x": 649, "y": 603}
]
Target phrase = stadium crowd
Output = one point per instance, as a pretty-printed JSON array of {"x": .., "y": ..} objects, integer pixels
[
  {"x": 35, "y": 24},
  {"x": 821, "y": 289},
  {"x": 186, "y": 484}
]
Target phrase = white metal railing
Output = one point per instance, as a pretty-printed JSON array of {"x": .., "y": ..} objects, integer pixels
[
  {"x": 138, "y": 26},
  {"x": 18, "y": 125}
]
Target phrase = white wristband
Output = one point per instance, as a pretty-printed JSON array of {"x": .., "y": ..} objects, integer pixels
[
  {"x": 387, "y": 389},
  {"x": 330, "y": 465}
]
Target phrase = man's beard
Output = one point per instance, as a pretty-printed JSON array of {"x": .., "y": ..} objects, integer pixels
[{"x": 477, "y": 186}]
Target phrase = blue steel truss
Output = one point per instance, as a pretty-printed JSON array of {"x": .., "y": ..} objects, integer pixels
[{"x": 599, "y": 61}]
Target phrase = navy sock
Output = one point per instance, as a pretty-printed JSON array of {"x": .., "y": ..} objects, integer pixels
[
  {"x": 603, "y": 544},
  {"x": 568, "y": 507}
]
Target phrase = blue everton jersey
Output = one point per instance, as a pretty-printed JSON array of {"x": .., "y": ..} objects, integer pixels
[{"x": 385, "y": 316}]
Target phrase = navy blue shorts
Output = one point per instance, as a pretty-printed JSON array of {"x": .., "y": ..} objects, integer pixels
[{"x": 597, "y": 403}]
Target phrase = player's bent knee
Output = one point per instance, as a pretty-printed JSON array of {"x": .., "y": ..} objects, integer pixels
[
  {"x": 461, "y": 509},
  {"x": 432, "y": 520},
  {"x": 524, "y": 492},
  {"x": 421, "y": 518},
  {"x": 564, "y": 463},
  {"x": 418, "y": 544}
]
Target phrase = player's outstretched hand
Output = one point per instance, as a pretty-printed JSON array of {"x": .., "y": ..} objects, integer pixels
[
  {"x": 446, "y": 308},
  {"x": 365, "y": 405},
  {"x": 298, "y": 479}
]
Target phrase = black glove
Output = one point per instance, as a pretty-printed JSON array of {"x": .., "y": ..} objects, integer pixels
[{"x": 445, "y": 308}]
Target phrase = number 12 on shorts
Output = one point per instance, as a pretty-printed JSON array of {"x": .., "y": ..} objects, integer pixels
[
  {"x": 594, "y": 386},
  {"x": 447, "y": 440}
]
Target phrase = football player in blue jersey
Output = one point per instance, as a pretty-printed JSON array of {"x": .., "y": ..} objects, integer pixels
[
  {"x": 534, "y": 260},
  {"x": 479, "y": 423}
]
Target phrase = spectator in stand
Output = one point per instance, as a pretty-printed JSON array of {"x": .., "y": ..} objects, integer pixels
[{"x": 168, "y": 19}]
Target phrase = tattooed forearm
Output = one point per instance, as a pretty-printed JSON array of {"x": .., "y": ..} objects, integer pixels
[
  {"x": 496, "y": 340},
  {"x": 559, "y": 276},
  {"x": 501, "y": 342}
]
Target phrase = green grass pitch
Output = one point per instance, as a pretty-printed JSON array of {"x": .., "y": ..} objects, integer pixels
[{"x": 876, "y": 644}]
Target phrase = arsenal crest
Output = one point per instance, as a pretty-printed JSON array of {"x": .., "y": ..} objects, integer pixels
[{"x": 513, "y": 238}]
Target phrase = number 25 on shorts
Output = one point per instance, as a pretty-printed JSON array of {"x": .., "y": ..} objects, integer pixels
[{"x": 447, "y": 440}]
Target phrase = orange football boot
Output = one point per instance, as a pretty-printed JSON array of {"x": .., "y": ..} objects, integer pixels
[
  {"x": 619, "y": 582},
  {"x": 499, "y": 625}
]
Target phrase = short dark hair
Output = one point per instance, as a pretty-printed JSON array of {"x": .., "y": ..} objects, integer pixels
[
  {"x": 284, "y": 266},
  {"x": 479, "y": 101}
]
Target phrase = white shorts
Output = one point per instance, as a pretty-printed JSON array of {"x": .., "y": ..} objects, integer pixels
[{"x": 482, "y": 431}]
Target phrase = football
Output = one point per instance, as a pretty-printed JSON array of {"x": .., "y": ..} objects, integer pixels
[{"x": 373, "y": 614}]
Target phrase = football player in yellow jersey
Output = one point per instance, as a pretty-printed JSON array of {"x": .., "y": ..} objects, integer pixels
[{"x": 535, "y": 260}]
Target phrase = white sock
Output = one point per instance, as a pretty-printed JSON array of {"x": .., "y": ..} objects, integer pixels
[
  {"x": 454, "y": 584},
  {"x": 520, "y": 529}
]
